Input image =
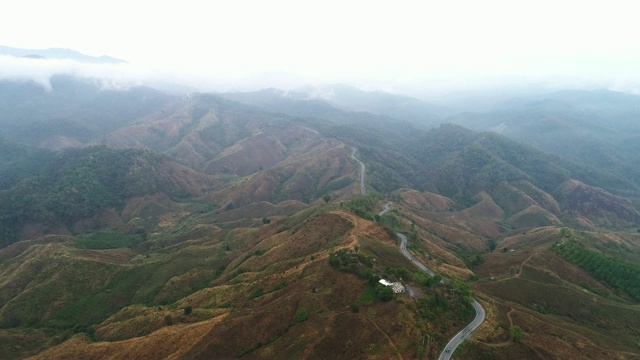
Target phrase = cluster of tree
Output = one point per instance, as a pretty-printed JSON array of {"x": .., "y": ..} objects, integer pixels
[
  {"x": 620, "y": 275},
  {"x": 75, "y": 184},
  {"x": 355, "y": 263},
  {"x": 397, "y": 273},
  {"x": 433, "y": 305},
  {"x": 426, "y": 280},
  {"x": 390, "y": 222},
  {"x": 364, "y": 205},
  {"x": 516, "y": 333},
  {"x": 384, "y": 293},
  {"x": 437, "y": 303}
]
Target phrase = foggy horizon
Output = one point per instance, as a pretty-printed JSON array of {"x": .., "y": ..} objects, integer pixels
[{"x": 415, "y": 48}]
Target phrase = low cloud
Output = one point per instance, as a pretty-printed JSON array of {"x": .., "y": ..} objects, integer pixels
[
  {"x": 123, "y": 76},
  {"x": 108, "y": 76}
]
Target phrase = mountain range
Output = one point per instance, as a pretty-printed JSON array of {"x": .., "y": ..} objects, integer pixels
[
  {"x": 220, "y": 225},
  {"x": 58, "y": 53}
]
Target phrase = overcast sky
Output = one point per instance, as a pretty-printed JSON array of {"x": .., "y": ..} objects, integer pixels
[{"x": 379, "y": 41}]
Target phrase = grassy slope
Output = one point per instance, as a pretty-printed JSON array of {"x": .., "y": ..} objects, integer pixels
[{"x": 244, "y": 285}]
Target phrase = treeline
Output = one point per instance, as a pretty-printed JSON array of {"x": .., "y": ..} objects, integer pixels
[
  {"x": 74, "y": 184},
  {"x": 620, "y": 275}
]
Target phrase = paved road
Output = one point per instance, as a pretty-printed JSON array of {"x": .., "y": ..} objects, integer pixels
[
  {"x": 363, "y": 191},
  {"x": 464, "y": 333},
  {"x": 386, "y": 207},
  {"x": 405, "y": 252},
  {"x": 480, "y": 314}
]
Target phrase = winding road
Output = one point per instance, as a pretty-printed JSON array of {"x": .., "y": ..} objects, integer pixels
[
  {"x": 386, "y": 207},
  {"x": 480, "y": 313},
  {"x": 405, "y": 252},
  {"x": 464, "y": 333},
  {"x": 363, "y": 191}
]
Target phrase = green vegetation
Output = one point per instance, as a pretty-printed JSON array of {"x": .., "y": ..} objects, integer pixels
[
  {"x": 107, "y": 239},
  {"x": 188, "y": 310},
  {"x": 397, "y": 273},
  {"x": 431, "y": 306},
  {"x": 277, "y": 287},
  {"x": 389, "y": 222},
  {"x": 384, "y": 293},
  {"x": 364, "y": 205},
  {"x": 77, "y": 183},
  {"x": 333, "y": 185},
  {"x": 453, "y": 299},
  {"x": 618, "y": 274},
  {"x": 257, "y": 293},
  {"x": 475, "y": 260},
  {"x": 424, "y": 279},
  {"x": 359, "y": 264},
  {"x": 516, "y": 333},
  {"x": 369, "y": 295},
  {"x": 301, "y": 315}
]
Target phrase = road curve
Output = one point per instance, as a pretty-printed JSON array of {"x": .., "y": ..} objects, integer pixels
[
  {"x": 464, "y": 333},
  {"x": 386, "y": 207},
  {"x": 405, "y": 252},
  {"x": 480, "y": 313},
  {"x": 363, "y": 191}
]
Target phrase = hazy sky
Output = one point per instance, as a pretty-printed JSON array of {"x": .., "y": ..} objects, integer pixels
[{"x": 382, "y": 41}]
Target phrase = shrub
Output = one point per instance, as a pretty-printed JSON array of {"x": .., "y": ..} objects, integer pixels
[
  {"x": 384, "y": 293},
  {"x": 516, "y": 333},
  {"x": 301, "y": 315},
  {"x": 257, "y": 293},
  {"x": 188, "y": 310}
]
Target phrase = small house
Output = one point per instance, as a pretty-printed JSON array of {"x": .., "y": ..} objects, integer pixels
[{"x": 396, "y": 286}]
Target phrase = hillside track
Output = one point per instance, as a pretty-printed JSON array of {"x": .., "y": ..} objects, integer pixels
[{"x": 457, "y": 339}]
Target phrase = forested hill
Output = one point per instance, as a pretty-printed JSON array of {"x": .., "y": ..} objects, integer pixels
[
  {"x": 458, "y": 162},
  {"x": 73, "y": 111},
  {"x": 63, "y": 187},
  {"x": 448, "y": 159}
]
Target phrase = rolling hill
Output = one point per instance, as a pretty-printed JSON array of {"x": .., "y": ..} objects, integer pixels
[{"x": 232, "y": 225}]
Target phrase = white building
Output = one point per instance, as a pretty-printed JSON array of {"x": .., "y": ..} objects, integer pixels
[{"x": 396, "y": 286}]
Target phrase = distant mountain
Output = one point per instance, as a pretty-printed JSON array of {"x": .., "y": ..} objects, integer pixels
[
  {"x": 599, "y": 128},
  {"x": 460, "y": 164},
  {"x": 383, "y": 141},
  {"x": 376, "y": 102},
  {"x": 58, "y": 53},
  {"x": 484, "y": 159},
  {"x": 73, "y": 113}
]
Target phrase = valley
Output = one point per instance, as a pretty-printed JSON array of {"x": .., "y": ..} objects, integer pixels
[{"x": 256, "y": 225}]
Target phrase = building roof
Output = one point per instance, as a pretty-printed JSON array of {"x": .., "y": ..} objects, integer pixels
[{"x": 396, "y": 286}]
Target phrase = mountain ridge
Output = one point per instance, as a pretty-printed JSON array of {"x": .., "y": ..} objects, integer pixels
[{"x": 59, "y": 53}]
